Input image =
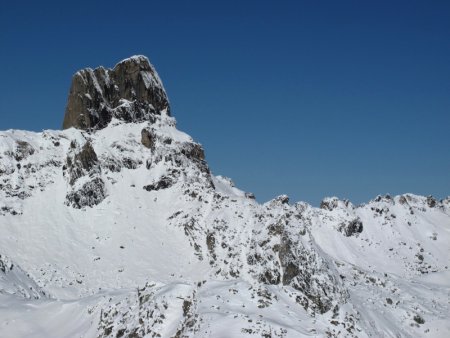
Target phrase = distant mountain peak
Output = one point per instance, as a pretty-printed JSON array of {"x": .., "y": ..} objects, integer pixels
[{"x": 132, "y": 91}]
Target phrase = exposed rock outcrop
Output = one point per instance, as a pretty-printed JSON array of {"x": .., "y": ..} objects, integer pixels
[
  {"x": 431, "y": 201},
  {"x": 351, "y": 228},
  {"x": 147, "y": 139},
  {"x": 83, "y": 171},
  {"x": 163, "y": 183},
  {"x": 89, "y": 194},
  {"x": 23, "y": 150},
  {"x": 331, "y": 203},
  {"x": 83, "y": 161},
  {"x": 132, "y": 91}
]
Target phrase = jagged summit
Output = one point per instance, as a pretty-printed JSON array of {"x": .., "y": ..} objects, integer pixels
[
  {"x": 131, "y": 92},
  {"x": 138, "y": 59}
]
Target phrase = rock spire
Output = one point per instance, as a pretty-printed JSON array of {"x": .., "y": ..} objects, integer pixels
[{"x": 132, "y": 91}]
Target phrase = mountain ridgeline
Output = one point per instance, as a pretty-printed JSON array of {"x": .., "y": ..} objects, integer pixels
[{"x": 116, "y": 227}]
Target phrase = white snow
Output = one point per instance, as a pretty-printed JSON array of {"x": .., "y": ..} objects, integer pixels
[{"x": 183, "y": 253}]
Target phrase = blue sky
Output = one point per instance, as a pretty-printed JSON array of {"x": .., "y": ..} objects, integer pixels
[{"x": 306, "y": 98}]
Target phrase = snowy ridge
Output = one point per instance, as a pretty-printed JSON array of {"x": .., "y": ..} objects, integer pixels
[{"x": 123, "y": 231}]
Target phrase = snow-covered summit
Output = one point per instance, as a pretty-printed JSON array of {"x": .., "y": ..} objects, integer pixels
[
  {"x": 135, "y": 59},
  {"x": 120, "y": 229}
]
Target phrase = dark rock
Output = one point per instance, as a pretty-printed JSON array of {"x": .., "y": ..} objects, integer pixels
[
  {"x": 148, "y": 163},
  {"x": 111, "y": 164},
  {"x": 288, "y": 260},
  {"x": 352, "y": 228},
  {"x": 129, "y": 163},
  {"x": 186, "y": 307},
  {"x": 164, "y": 183},
  {"x": 193, "y": 151},
  {"x": 418, "y": 319},
  {"x": 276, "y": 229},
  {"x": 147, "y": 139},
  {"x": 81, "y": 162},
  {"x": 210, "y": 242},
  {"x": 329, "y": 204},
  {"x": 131, "y": 91},
  {"x": 291, "y": 271},
  {"x": 315, "y": 281},
  {"x": 5, "y": 264},
  {"x": 250, "y": 195},
  {"x": 23, "y": 150},
  {"x": 90, "y": 194},
  {"x": 87, "y": 156},
  {"x": 402, "y": 200},
  {"x": 383, "y": 198},
  {"x": 10, "y": 210},
  {"x": 431, "y": 201},
  {"x": 282, "y": 199},
  {"x": 271, "y": 277}
]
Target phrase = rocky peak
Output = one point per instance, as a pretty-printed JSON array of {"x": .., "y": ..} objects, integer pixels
[{"x": 132, "y": 91}]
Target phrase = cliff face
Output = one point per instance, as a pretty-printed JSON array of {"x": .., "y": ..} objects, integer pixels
[{"x": 131, "y": 92}]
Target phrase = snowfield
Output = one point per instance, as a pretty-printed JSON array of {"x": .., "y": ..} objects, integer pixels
[
  {"x": 123, "y": 231},
  {"x": 197, "y": 257}
]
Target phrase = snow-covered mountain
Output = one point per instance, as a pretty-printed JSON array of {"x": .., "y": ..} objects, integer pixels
[{"x": 115, "y": 227}]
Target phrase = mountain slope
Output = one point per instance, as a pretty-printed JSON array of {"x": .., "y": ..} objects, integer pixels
[{"x": 121, "y": 230}]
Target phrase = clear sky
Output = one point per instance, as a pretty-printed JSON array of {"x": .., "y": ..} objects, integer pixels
[{"x": 306, "y": 98}]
